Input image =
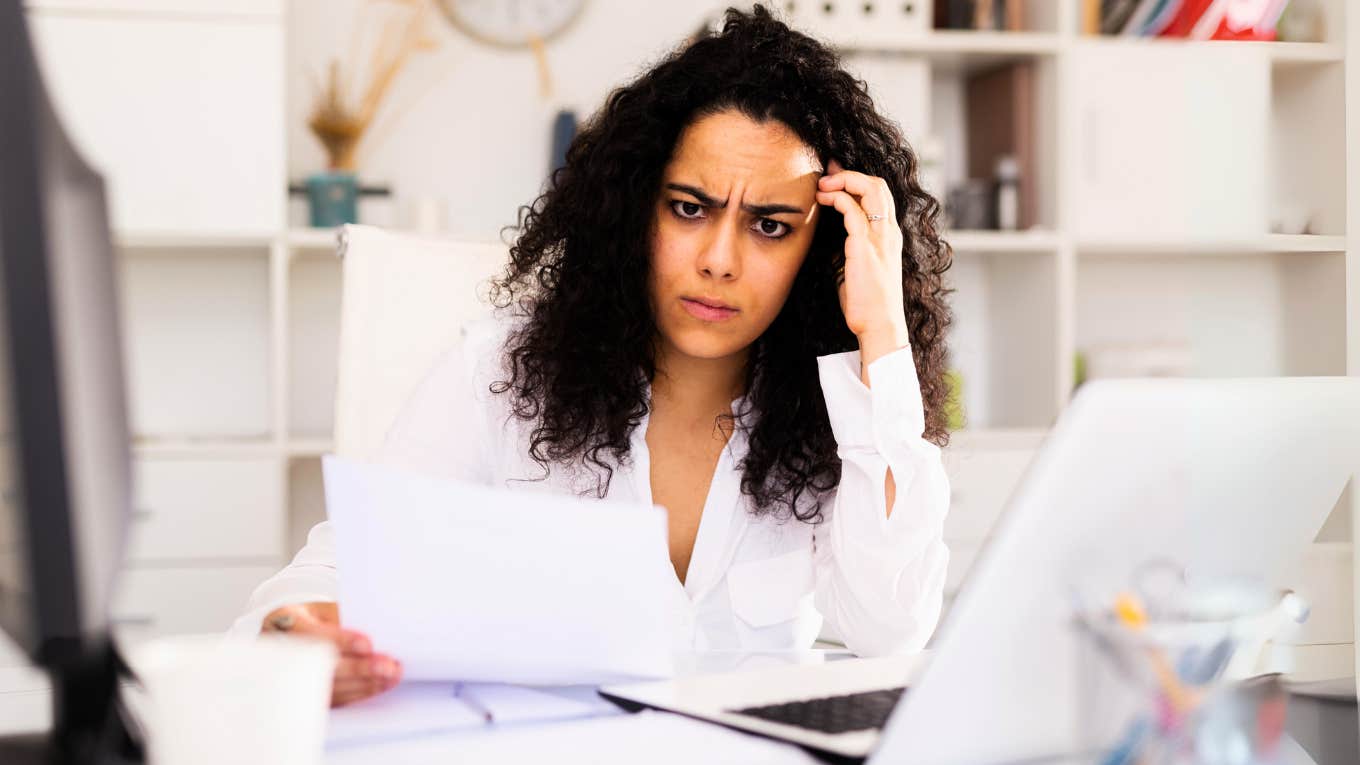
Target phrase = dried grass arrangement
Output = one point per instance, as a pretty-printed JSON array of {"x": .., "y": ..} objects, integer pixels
[{"x": 349, "y": 100}]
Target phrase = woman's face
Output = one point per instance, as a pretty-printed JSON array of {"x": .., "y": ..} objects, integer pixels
[{"x": 732, "y": 225}]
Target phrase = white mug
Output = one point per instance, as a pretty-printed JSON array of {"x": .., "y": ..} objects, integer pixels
[{"x": 212, "y": 700}]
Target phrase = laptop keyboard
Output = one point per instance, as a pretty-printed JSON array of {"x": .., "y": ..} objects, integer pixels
[{"x": 832, "y": 714}]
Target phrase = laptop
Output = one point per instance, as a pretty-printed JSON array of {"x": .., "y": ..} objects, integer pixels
[{"x": 1226, "y": 477}]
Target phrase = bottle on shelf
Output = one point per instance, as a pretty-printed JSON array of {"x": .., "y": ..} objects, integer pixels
[{"x": 1007, "y": 193}]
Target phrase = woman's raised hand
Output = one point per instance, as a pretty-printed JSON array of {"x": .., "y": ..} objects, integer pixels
[
  {"x": 871, "y": 292},
  {"x": 361, "y": 672}
]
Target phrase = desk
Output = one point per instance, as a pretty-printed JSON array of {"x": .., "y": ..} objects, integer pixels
[{"x": 614, "y": 737}]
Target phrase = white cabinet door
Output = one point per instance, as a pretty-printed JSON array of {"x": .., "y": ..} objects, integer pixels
[
  {"x": 182, "y": 114},
  {"x": 208, "y": 510},
  {"x": 152, "y": 602},
  {"x": 1169, "y": 142}
]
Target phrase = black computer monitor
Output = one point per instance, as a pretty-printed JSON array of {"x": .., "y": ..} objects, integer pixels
[{"x": 65, "y": 472}]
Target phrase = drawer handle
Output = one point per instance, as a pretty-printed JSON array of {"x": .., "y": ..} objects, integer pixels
[{"x": 133, "y": 620}]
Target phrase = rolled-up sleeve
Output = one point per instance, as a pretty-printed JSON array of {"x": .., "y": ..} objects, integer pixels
[
  {"x": 310, "y": 578},
  {"x": 880, "y": 577}
]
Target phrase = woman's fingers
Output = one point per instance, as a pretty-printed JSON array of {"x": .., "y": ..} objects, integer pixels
[
  {"x": 871, "y": 192},
  {"x": 856, "y": 223},
  {"x": 354, "y": 643},
  {"x": 378, "y": 668},
  {"x": 326, "y": 613},
  {"x": 350, "y": 691},
  {"x": 360, "y": 672},
  {"x": 358, "y": 677},
  {"x": 320, "y": 620}
]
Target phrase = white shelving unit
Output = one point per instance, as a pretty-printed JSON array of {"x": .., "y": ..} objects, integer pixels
[
  {"x": 249, "y": 321},
  {"x": 1159, "y": 167}
]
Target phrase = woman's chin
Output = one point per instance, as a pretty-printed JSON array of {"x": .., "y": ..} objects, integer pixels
[{"x": 704, "y": 343}]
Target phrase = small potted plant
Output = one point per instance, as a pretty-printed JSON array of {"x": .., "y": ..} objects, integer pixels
[{"x": 348, "y": 105}]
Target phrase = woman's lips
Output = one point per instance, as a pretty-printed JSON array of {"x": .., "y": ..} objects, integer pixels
[{"x": 700, "y": 310}]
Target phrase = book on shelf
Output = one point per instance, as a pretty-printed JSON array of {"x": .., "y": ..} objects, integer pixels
[
  {"x": 1189, "y": 19},
  {"x": 989, "y": 15}
]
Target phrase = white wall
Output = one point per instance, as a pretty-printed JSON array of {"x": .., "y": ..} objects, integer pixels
[{"x": 479, "y": 137}]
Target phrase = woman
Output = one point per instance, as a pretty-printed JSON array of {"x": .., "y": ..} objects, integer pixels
[{"x": 729, "y": 303}]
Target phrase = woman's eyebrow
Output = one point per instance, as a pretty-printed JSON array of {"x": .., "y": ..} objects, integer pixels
[{"x": 709, "y": 201}]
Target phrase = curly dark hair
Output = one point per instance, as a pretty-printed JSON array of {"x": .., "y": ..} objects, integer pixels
[{"x": 580, "y": 363}]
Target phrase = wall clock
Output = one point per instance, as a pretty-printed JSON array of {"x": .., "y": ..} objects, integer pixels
[{"x": 512, "y": 23}]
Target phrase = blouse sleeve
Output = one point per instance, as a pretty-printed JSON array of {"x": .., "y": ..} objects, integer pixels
[
  {"x": 443, "y": 430},
  {"x": 879, "y": 577}
]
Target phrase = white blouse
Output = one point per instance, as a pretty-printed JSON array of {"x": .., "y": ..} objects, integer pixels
[{"x": 753, "y": 582}]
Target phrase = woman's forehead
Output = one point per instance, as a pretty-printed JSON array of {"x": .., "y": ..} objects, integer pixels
[{"x": 729, "y": 148}]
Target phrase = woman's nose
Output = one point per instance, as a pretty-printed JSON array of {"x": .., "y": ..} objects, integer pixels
[{"x": 719, "y": 258}]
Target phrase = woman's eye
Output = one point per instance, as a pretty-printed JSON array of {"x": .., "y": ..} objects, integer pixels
[
  {"x": 688, "y": 210},
  {"x": 766, "y": 227},
  {"x": 772, "y": 228}
]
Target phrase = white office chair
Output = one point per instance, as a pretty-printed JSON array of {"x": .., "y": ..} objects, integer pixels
[{"x": 404, "y": 303}]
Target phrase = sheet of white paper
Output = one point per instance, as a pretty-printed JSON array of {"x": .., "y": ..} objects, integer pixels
[
  {"x": 467, "y": 582},
  {"x": 656, "y": 738},
  {"x": 510, "y": 704},
  {"x": 409, "y": 709},
  {"x": 421, "y": 708}
]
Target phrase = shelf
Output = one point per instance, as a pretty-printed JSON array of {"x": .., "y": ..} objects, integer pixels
[
  {"x": 313, "y": 239},
  {"x": 1303, "y": 243},
  {"x": 309, "y": 447},
  {"x": 966, "y": 50},
  {"x": 1299, "y": 53},
  {"x": 1281, "y": 53},
  {"x": 956, "y": 50},
  {"x": 1266, "y": 244},
  {"x": 229, "y": 448},
  {"x": 175, "y": 242},
  {"x": 945, "y": 42},
  {"x": 297, "y": 238},
  {"x": 1001, "y": 241},
  {"x": 204, "y": 448}
]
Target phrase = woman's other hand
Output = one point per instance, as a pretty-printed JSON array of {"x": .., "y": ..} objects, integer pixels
[
  {"x": 871, "y": 290},
  {"x": 360, "y": 672}
]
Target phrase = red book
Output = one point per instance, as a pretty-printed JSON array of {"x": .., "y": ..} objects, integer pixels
[
  {"x": 1230, "y": 19},
  {"x": 1186, "y": 18},
  {"x": 1250, "y": 20}
]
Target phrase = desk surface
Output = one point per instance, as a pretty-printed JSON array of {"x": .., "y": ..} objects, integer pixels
[{"x": 653, "y": 737}]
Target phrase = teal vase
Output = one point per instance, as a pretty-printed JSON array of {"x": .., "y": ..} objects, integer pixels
[{"x": 333, "y": 197}]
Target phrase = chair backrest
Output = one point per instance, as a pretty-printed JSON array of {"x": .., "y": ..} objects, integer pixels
[{"x": 404, "y": 303}]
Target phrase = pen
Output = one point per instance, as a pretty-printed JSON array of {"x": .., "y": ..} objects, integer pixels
[
  {"x": 1130, "y": 612},
  {"x": 470, "y": 700}
]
